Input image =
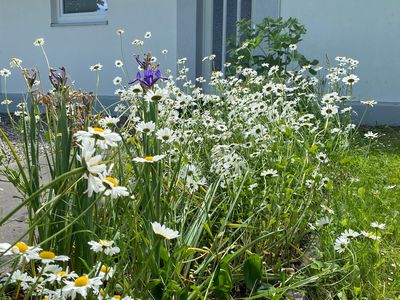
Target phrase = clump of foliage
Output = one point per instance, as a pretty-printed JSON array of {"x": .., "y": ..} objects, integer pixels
[{"x": 273, "y": 42}]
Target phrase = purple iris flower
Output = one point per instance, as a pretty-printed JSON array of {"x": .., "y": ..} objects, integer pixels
[{"x": 151, "y": 73}]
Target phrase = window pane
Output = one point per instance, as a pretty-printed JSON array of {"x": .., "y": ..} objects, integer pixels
[
  {"x": 84, "y": 6},
  {"x": 231, "y": 19},
  {"x": 218, "y": 12}
]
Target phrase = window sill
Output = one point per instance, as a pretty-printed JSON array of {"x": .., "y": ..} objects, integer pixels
[{"x": 92, "y": 23}]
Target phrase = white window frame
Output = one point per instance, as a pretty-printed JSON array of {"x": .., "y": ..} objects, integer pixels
[{"x": 58, "y": 18}]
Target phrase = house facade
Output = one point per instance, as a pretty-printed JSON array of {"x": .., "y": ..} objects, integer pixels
[{"x": 81, "y": 33}]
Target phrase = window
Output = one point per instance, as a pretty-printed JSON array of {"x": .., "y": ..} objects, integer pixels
[
  {"x": 225, "y": 16},
  {"x": 79, "y": 12}
]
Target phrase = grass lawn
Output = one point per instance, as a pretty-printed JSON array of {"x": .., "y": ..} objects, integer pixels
[{"x": 369, "y": 191}]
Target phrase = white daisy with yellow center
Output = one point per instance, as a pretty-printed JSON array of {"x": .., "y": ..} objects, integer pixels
[
  {"x": 55, "y": 273},
  {"x": 112, "y": 187},
  {"x": 81, "y": 286},
  {"x": 104, "y": 271},
  {"x": 164, "y": 231},
  {"x": 19, "y": 248},
  {"x": 105, "y": 246},
  {"x": 47, "y": 257},
  {"x": 149, "y": 159},
  {"x": 104, "y": 138}
]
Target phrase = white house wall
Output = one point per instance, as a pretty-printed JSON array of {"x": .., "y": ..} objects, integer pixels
[
  {"x": 79, "y": 47},
  {"x": 367, "y": 30}
]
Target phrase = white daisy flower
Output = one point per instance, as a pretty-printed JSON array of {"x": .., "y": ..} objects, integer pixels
[
  {"x": 138, "y": 43},
  {"x": 104, "y": 137},
  {"x": 350, "y": 233},
  {"x": 137, "y": 88},
  {"x": 112, "y": 188},
  {"x": 104, "y": 271},
  {"x": 120, "y": 31},
  {"x": 58, "y": 274},
  {"x": 147, "y": 35},
  {"x": 6, "y": 102},
  {"x": 165, "y": 135},
  {"x": 371, "y": 135},
  {"x": 370, "y": 235},
  {"x": 351, "y": 79},
  {"x": 119, "y": 63},
  {"x": 377, "y": 225},
  {"x": 5, "y": 72},
  {"x": 47, "y": 257},
  {"x": 96, "y": 67},
  {"x": 81, "y": 286},
  {"x": 369, "y": 102},
  {"x": 15, "y": 62},
  {"x": 18, "y": 276},
  {"x": 105, "y": 246},
  {"x": 108, "y": 122},
  {"x": 327, "y": 209},
  {"x": 329, "y": 110},
  {"x": 38, "y": 42},
  {"x": 149, "y": 159},
  {"x": 341, "y": 244},
  {"x": 117, "y": 80},
  {"x": 19, "y": 248},
  {"x": 390, "y": 187},
  {"x": 292, "y": 47},
  {"x": 146, "y": 127},
  {"x": 95, "y": 184},
  {"x": 164, "y": 231},
  {"x": 152, "y": 96},
  {"x": 91, "y": 162},
  {"x": 323, "y": 221},
  {"x": 269, "y": 173}
]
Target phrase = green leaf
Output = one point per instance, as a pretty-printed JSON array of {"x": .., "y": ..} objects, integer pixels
[
  {"x": 164, "y": 254},
  {"x": 317, "y": 265},
  {"x": 156, "y": 288},
  {"x": 361, "y": 192},
  {"x": 329, "y": 185},
  {"x": 252, "y": 270},
  {"x": 313, "y": 149},
  {"x": 223, "y": 281}
]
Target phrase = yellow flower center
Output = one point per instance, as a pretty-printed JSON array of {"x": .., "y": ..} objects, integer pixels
[
  {"x": 45, "y": 298},
  {"x": 82, "y": 281},
  {"x": 117, "y": 296},
  {"x": 105, "y": 269},
  {"x": 47, "y": 255},
  {"x": 22, "y": 247},
  {"x": 112, "y": 180},
  {"x": 104, "y": 242},
  {"x": 61, "y": 273},
  {"x": 149, "y": 158},
  {"x": 98, "y": 129}
]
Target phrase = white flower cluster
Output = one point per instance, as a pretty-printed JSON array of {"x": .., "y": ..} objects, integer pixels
[
  {"x": 227, "y": 164},
  {"x": 342, "y": 242},
  {"x": 192, "y": 178},
  {"x": 51, "y": 281},
  {"x": 93, "y": 144}
]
